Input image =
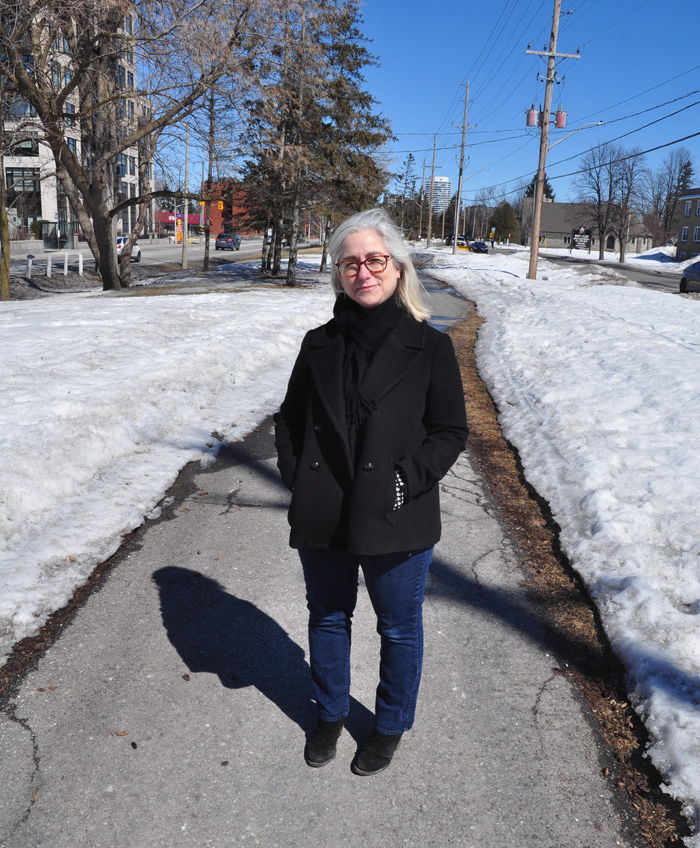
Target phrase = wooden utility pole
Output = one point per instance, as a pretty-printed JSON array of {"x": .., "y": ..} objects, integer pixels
[
  {"x": 552, "y": 55},
  {"x": 432, "y": 183},
  {"x": 422, "y": 198},
  {"x": 458, "y": 203}
]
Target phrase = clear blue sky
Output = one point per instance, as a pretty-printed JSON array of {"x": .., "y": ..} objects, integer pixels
[{"x": 640, "y": 62}]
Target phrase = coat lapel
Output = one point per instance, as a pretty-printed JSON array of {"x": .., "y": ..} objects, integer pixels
[
  {"x": 394, "y": 358},
  {"x": 388, "y": 367},
  {"x": 326, "y": 362}
]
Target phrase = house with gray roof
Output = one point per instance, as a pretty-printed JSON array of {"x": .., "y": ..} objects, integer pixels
[{"x": 563, "y": 223}]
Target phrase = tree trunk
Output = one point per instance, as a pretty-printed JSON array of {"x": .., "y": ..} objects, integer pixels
[
  {"x": 326, "y": 238},
  {"x": 107, "y": 252},
  {"x": 276, "y": 246},
  {"x": 294, "y": 241},
  {"x": 207, "y": 201},
  {"x": 4, "y": 244}
]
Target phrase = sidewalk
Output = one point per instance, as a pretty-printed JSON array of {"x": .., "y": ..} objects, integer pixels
[{"x": 172, "y": 711}]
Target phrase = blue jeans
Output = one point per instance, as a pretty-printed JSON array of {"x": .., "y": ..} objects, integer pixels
[{"x": 396, "y": 586}]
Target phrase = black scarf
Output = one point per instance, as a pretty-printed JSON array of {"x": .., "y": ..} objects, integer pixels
[{"x": 363, "y": 330}]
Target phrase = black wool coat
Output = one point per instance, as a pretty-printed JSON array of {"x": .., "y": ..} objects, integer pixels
[{"x": 345, "y": 502}]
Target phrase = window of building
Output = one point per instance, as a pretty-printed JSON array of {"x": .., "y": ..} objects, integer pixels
[
  {"x": 131, "y": 110},
  {"x": 132, "y": 190},
  {"x": 121, "y": 77},
  {"x": 70, "y": 111},
  {"x": 60, "y": 43},
  {"x": 22, "y": 180},
  {"x": 696, "y": 234},
  {"x": 130, "y": 79},
  {"x": 128, "y": 24},
  {"x": 56, "y": 74},
  {"x": 684, "y": 234},
  {"x": 121, "y": 114},
  {"x": 72, "y": 146},
  {"x": 132, "y": 165},
  {"x": 697, "y": 208},
  {"x": 25, "y": 147},
  {"x": 681, "y": 256},
  {"x": 688, "y": 204}
]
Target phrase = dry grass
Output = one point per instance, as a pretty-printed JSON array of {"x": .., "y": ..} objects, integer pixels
[{"x": 560, "y": 597}]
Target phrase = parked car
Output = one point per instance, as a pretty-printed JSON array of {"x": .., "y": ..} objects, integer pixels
[
  {"x": 461, "y": 241},
  {"x": 690, "y": 278},
  {"x": 228, "y": 241},
  {"x": 479, "y": 247},
  {"x": 135, "y": 249}
]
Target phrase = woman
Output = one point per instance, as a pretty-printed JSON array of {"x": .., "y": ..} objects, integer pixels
[{"x": 373, "y": 418}]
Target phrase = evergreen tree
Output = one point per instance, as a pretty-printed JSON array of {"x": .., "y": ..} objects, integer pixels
[
  {"x": 504, "y": 223},
  {"x": 547, "y": 189},
  {"x": 313, "y": 132}
]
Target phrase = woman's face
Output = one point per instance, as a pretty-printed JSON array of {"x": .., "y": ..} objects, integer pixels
[{"x": 368, "y": 288}]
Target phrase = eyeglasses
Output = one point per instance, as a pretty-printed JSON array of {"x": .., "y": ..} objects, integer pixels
[{"x": 351, "y": 267}]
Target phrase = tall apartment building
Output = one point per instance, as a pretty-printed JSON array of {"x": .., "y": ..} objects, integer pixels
[
  {"x": 442, "y": 193},
  {"x": 33, "y": 191}
]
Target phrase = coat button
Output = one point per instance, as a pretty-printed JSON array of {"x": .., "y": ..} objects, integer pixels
[
  {"x": 315, "y": 466},
  {"x": 368, "y": 467},
  {"x": 317, "y": 428}
]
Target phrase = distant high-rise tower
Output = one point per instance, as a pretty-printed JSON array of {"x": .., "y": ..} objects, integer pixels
[{"x": 442, "y": 191}]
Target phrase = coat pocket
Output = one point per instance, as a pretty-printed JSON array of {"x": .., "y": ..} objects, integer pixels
[{"x": 391, "y": 514}]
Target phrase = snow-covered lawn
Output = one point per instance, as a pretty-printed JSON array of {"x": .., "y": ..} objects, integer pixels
[{"x": 598, "y": 382}]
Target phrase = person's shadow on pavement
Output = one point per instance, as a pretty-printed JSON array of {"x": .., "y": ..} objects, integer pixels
[{"x": 216, "y": 632}]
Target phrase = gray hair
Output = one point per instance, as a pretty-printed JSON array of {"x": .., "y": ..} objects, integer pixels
[{"x": 409, "y": 289}]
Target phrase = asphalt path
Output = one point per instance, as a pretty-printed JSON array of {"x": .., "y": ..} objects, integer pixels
[{"x": 172, "y": 710}]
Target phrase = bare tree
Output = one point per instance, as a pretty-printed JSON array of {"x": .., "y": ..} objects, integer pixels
[
  {"x": 661, "y": 194},
  {"x": 482, "y": 208},
  {"x": 629, "y": 185},
  {"x": 598, "y": 188},
  {"x": 180, "y": 52}
]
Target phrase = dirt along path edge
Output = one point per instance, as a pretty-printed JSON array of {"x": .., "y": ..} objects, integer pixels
[{"x": 559, "y": 594}]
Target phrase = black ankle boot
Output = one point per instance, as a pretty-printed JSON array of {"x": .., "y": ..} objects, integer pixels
[
  {"x": 320, "y": 748},
  {"x": 377, "y": 754}
]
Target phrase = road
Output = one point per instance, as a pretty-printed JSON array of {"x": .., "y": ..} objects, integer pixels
[
  {"x": 652, "y": 279},
  {"x": 152, "y": 253}
]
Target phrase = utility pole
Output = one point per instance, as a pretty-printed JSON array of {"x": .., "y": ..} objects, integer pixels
[
  {"x": 544, "y": 136},
  {"x": 458, "y": 203},
  {"x": 432, "y": 183},
  {"x": 422, "y": 198},
  {"x": 185, "y": 223}
]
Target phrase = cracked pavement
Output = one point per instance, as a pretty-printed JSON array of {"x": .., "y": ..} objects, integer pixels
[{"x": 172, "y": 710}]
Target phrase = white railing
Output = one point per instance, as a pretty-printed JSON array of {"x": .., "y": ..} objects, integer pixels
[{"x": 49, "y": 264}]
